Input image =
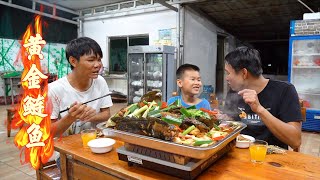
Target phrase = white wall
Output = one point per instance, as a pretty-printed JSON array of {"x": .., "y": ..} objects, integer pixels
[
  {"x": 230, "y": 45},
  {"x": 147, "y": 23},
  {"x": 200, "y": 45},
  {"x": 200, "y": 37}
]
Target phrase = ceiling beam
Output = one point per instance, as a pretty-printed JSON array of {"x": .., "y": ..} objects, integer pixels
[
  {"x": 266, "y": 40},
  {"x": 188, "y": 1},
  {"x": 57, "y": 7},
  {"x": 257, "y": 8},
  {"x": 33, "y": 10},
  {"x": 164, "y": 3}
]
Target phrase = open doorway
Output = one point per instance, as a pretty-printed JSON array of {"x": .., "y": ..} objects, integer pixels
[
  {"x": 118, "y": 50},
  {"x": 220, "y": 67}
]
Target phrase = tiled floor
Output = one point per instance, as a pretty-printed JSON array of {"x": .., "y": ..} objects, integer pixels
[{"x": 11, "y": 168}]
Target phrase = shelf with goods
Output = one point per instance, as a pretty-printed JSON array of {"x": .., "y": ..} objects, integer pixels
[
  {"x": 154, "y": 89},
  {"x": 304, "y": 74},
  {"x": 150, "y": 68},
  {"x": 307, "y": 54},
  {"x": 310, "y": 93},
  {"x": 311, "y": 101},
  {"x": 306, "y": 67}
]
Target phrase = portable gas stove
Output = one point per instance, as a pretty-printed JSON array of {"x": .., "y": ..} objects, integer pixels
[{"x": 168, "y": 163}]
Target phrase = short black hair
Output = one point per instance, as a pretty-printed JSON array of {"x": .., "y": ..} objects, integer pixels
[
  {"x": 185, "y": 67},
  {"x": 82, "y": 46},
  {"x": 244, "y": 57}
]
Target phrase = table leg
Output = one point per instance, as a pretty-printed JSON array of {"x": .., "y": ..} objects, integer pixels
[
  {"x": 63, "y": 166},
  {"x": 11, "y": 86},
  {"x": 5, "y": 93},
  {"x": 38, "y": 172},
  {"x": 9, "y": 119}
]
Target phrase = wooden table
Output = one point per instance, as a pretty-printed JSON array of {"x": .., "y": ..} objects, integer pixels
[{"x": 80, "y": 163}]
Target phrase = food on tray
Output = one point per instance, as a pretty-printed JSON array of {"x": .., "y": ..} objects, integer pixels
[
  {"x": 243, "y": 141},
  {"x": 173, "y": 122},
  {"x": 242, "y": 138}
]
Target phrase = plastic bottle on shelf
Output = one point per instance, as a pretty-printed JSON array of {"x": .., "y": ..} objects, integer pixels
[
  {"x": 207, "y": 90},
  {"x": 214, "y": 103}
]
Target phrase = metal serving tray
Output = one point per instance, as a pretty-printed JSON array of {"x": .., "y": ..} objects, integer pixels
[{"x": 171, "y": 147}]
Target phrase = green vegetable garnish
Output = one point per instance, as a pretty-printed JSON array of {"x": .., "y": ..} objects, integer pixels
[
  {"x": 172, "y": 120},
  {"x": 198, "y": 143},
  {"x": 185, "y": 132}
]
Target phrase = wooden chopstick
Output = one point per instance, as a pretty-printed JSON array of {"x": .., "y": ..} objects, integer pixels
[{"x": 88, "y": 101}]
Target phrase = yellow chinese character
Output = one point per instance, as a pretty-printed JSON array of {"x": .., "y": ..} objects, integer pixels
[
  {"x": 33, "y": 106},
  {"x": 33, "y": 77},
  {"x": 35, "y": 135},
  {"x": 34, "y": 46}
]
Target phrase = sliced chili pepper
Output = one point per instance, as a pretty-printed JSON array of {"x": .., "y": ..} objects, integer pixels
[
  {"x": 141, "y": 104},
  {"x": 179, "y": 129},
  {"x": 218, "y": 138},
  {"x": 164, "y": 105},
  {"x": 208, "y": 111}
]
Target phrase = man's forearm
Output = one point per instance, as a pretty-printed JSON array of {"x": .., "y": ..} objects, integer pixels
[
  {"x": 58, "y": 127},
  {"x": 285, "y": 132},
  {"x": 102, "y": 116}
]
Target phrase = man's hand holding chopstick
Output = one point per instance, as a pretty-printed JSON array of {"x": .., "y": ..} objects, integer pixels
[{"x": 81, "y": 111}]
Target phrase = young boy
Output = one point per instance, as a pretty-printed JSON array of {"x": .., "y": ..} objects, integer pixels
[
  {"x": 189, "y": 82},
  {"x": 81, "y": 85}
]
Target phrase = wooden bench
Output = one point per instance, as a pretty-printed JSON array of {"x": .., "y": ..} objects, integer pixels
[{"x": 49, "y": 171}]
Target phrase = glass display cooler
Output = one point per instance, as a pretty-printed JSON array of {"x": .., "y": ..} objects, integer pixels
[
  {"x": 304, "y": 74},
  {"x": 151, "y": 68}
]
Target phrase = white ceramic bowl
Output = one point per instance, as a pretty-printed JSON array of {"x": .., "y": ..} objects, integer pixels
[
  {"x": 101, "y": 145},
  {"x": 244, "y": 144}
]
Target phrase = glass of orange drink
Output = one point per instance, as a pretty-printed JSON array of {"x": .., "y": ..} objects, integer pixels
[
  {"x": 88, "y": 135},
  {"x": 258, "y": 151}
]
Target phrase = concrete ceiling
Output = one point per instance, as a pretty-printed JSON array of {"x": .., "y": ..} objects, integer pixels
[
  {"x": 82, "y": 4},
  {"x": 253, "y": 20},
  {"x": 248, "y": 20}
]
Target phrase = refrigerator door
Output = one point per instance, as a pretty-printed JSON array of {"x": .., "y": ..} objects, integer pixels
[
  {"x": 135, "y": 77},
  {"x": 154, "y": 72},
  {"x": 151, "y": 68},
  {"x": 305, "y": 70}
]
